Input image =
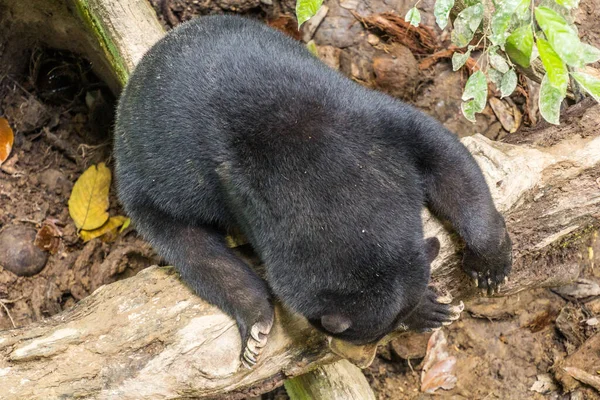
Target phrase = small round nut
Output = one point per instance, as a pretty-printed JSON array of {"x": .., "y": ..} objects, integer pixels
[{"x": 18, "y": 253}]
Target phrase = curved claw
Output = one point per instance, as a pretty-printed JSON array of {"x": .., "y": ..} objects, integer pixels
[
  {"x": 256, "y": 341},
  {"x": 455, "y": 311},
  {"x": 247, "y": 364},
  {"x": 259, "y": 332},
  {"x": 444, "y": 299},
  {"x": 248, "y": 356},
  {"x": 255, "y": 333},
  {"x": 253, "y": 348}
]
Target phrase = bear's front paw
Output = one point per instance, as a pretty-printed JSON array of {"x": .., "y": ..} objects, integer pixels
[
  {"x": 489, "y": 268},
  {"x": 255, "y": 335},
  {"x": 432, "y": 313}
]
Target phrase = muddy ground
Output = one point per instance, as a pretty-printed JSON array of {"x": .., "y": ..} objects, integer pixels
[
  {"x": 54, "y": 143},
  {"x": 62, "y": 115}
]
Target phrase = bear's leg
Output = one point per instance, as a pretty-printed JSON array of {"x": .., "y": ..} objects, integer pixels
[
  {"x": 213, "y": 271},
  {"x": 457, "y": 191}
]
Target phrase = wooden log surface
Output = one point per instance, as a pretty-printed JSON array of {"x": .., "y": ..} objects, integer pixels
[
  {"x": 112, "y": 34},
  {"x": 338, "y": 381},
  {"x": 149, "y": 337}
]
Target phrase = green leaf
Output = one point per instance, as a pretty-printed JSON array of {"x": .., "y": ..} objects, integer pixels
[
  {"x": 474, "y": 96},
  {"x": 495, "y": 77},
  {"x": 465, "y": 25},
  {"x": 519, "y": 45},
  {"x": 522, "y": 10},
  {"x": 413, "y": 16},
  {"x": 501, "y": 18},
  {"x": 499, "y": 63},
  {"x": 508, "y": 83},
  {"x": 125, "y": 225},
  {"x": 562, "y": 37},
  {"x": 459, "y": 59},
  {"x": 568, "y": 3},
  {"x": 476, "y": 88},
  {"x": 306, "y": 9},
  {"x": 442, "y": 11},
  {"x": 557, "y": 72},
  {"x": 590, "y": 83},
  {"x": 474, "y": 16},
  {"x": 469, "y": 109},
  {"x": 590, "y": 54},
  {"x": 312, "y": 47},
  {"x": 550, "y": 100}
]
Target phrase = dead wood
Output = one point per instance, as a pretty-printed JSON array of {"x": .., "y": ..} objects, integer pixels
[
  {"x": 581, "y": 366},
  {"x": 421, "y": 39}
]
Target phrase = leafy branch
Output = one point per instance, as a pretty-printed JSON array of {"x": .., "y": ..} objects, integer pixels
[
  {"x": 514, "y": 33},
  {"x": 518, "y": 33}
]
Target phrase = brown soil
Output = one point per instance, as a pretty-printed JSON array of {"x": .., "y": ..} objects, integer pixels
[
  {"x": 35, "y": 184},
  {"x": 502, "y": 345}
]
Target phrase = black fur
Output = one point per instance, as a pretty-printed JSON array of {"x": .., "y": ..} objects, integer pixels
[{"x": 226, "y": 123}]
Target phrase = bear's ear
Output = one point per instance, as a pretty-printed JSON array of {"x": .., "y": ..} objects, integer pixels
[
  {"x": 335, "y": 323},
  {"x": 432, "y": 248}
]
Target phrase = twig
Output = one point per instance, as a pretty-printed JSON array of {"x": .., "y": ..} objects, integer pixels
[
  {"x": 17, "y": 84},
  {"x": 165, "y": 8},
  {"x": 31, "y": 221},
  {"x": 576, "y": 110},
  {"x": 575, "y": 87},
  {"x": 410, "y": 366},
  {"x": 61, "y": 145},
  {"x": 3, "y": 303},
  {"x": 584, "y": 377},
  {"x": 421, "y": 40},
  {"x": 429, "y": 61}
]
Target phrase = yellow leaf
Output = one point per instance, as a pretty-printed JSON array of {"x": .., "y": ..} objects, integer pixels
[
  {"x": 7, "y": 138},
  {"x": 110, "y": 226},
  {"x": 89, "y": 199}
]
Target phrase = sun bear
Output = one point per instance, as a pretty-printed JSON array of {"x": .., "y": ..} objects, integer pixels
[{"x": 228, "y": 124}]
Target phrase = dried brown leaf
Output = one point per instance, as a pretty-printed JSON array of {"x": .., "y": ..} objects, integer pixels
[
  {"x": 438, "y": 365},
  {"x": 48, "y": 237}
]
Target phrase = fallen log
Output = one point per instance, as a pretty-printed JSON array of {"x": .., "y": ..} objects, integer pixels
[
  {"x": 330, "y": 382},
  {"x": 149, "y": 337},
  {"x": 112, "y": 34}
]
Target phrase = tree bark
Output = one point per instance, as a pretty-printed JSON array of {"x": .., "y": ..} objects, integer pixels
[
  {"x": 149, "y": 337},
  {"x": 112, "y": 34},
  {"x": 338, "y": 381}
]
